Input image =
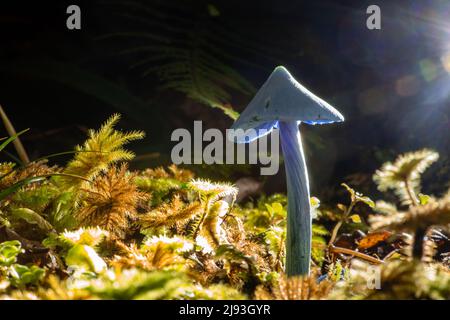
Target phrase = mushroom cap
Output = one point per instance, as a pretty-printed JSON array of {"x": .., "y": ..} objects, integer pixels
[{"x": 282, "y": 98}]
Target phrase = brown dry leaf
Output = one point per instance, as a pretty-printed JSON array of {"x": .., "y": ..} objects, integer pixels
[{"x": 372, "y": 239}]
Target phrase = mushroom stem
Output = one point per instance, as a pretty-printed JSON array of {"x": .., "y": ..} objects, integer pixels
[{"x": 298, "y": 238}]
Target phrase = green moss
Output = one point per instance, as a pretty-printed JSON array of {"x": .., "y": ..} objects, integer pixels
[{"x": 198, "y": 243}]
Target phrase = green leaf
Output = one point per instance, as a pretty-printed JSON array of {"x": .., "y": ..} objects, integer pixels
[
  {"x": 355, "y": 218},
  {"x": 424, "y": 199},
  {"x": 270, "y": 209},
  {"x": 11, "y": 139},
  {"x": 4, "y": 222},
  {"x": 278, "y": 208},
  {"x": 275, "y": 237},
  {"x": 366, "y": 200},
  {"x": 32, "y": 217},
  {"x": 275, "y": 210},
  {"x": 22, "y": 275},
  {"x": 91, "y": 236},
  {"x": 85, "y": 257},
  {"x": 319, "y": 230},
  {"x": 9, "y": 251},
  {"x": 358, "y": 197}
]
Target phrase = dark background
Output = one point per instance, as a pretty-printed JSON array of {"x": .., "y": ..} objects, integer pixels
[{"x": 392, "y": 85}]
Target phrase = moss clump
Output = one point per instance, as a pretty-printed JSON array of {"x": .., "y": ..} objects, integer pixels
[{"x": 96, "y": 230}]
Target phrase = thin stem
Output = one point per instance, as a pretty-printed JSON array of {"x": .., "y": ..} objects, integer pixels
[
  {"x": 278, "y": 258},
  {"x": 12, "y": 132},
  {"x": 411, "y": 193},
  {"x": 202, "y": 219},
  {"x": 356, "y": 254},
  {"x": 340, "y": 223},
  {"x": 64, "y": 175}
]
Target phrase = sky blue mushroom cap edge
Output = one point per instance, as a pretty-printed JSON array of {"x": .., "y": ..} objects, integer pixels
[{"x": 282, "y": 98}]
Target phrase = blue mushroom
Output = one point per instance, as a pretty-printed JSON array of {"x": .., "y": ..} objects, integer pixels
[{"x": 284, "y": 103}]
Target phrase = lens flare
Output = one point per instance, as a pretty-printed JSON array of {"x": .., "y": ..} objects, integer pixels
[{"x": 446, "y": 61}]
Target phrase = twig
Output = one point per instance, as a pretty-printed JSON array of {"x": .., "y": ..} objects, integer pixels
[
  {"x": 356, "y": 254},
  {"x": 339, "y": 224}
]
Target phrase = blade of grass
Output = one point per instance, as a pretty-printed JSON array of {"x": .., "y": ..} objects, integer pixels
[
  {"x": 15, "y": 187},
  {"x": 13, "y": 158},
  {"x": 10, "y": 190},
  {"x": 11, "y": 139},
  {"x": 53, "y": 155}
]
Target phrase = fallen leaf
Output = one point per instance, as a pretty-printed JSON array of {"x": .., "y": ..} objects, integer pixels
[{"x": 372, "y": 239}]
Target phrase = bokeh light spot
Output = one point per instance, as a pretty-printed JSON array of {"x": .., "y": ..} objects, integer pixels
[
  {"x": 446, "y": 62},
  {"x": 428, "y": 70},
  {"x": 372, "y": 101},
  {"x": 407, "y": 86}
]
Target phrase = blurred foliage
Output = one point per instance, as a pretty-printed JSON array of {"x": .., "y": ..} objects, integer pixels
[
  {"x": 187, "y": 55},
  {"x": 14, "y": 274},
  {"x": 403, "y": 176}
]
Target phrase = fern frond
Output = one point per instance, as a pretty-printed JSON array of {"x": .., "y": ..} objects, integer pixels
[
  {"x": 160, "y": 183},
  {"x": 403, "y": 175},
  {"x": 385, "y": 208},
  {"x": 36, "y": 199},
  {"x": 110, "y": 201},
  {"x": 91, "y": 236},
  {"x": 398, "y": 280},
  {"x": 180, "y": 174},
  {"x": 156, "y": 253},
  {"x": 297, "y": 288},
  {"x": 240, "y": 267},
  {"x": 211, "y": 228},
  {"x": 103, "y": 148},
  {"x": 169, "y": 214},
  {"x": 6, "y": 168},
  {"x": 435, "y": 213},
  {"x": 213, "y": 191},
  {"x": 192, "y": 56}
]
